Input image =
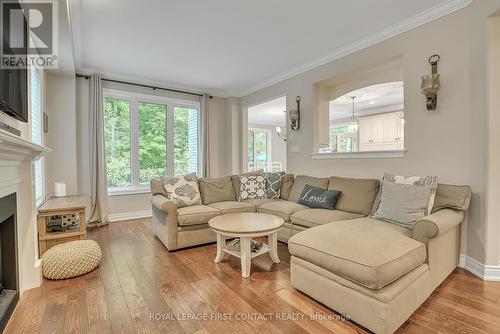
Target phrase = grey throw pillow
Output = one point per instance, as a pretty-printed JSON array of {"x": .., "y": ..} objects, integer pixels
[
  {"x": 252, "y": 187},
  {"x": 315, "y": 197},
  {"x": 273, "y": 184},
  {"x": 184, "y": 190},
  {"x": 403, "y": 204},
  {"x": 419, "y": 181}
]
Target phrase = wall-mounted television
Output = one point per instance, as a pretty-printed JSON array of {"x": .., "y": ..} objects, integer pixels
[{"x": 14, "y": 81}]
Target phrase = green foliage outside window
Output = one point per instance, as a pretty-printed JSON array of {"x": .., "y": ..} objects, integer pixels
[
  {"x": 117, "y": 141},
  {"x": 152, "y": 141}
]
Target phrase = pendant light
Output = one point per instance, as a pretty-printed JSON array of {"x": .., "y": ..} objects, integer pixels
[{"x": 354, "y": 122}]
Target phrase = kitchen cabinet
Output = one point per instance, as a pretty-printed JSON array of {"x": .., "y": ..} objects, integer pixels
[{"x": 383, "y": 132}]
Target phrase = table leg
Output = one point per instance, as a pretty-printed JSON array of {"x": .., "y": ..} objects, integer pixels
[
  {"x": 246, "y": 256},
  {"x": 272, "y": 240},
  {"x": 221, "y": 243}
]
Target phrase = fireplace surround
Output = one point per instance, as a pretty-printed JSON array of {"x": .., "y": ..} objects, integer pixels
[{"x": 9, "y": 270}]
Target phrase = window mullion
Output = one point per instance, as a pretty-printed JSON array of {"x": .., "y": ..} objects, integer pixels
[
  {"x": 134, "y": 142},
  {"x": 170, "y": 139}
]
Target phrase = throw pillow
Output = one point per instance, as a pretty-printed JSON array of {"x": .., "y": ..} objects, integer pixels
[
  {"x": 273, "y": 184},
  {"x": 252, "y": 187},
  {"x": 316, "y": 197},
  {"x": 184, "y": 190},
  {"x": 402, "y": 204},
  {"x": 216, "y": 190},
  {"x": 418, "y": 181}
]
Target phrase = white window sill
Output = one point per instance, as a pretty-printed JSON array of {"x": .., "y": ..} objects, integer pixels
[
  {"x": 360, "y": 155},
  {"x": 128, "y": 191}
]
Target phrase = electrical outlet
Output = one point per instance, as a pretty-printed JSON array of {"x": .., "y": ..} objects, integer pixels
[{"x": 294, "y": 148}]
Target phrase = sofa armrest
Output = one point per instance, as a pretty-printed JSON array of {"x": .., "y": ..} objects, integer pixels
[
  {"x": 164, "y": 204},
  {"x": 437, "y": 224}
]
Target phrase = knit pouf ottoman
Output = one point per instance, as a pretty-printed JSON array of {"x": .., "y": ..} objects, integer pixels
[{"x": 71, "y": 259}]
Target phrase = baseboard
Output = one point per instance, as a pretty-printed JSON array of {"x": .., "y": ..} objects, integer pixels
[
  {"x": 485, "y": 272},
  {"x": 116, "y": 217}
]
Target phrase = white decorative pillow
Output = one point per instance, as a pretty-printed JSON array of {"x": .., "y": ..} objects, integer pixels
[
  {"x": 184, "y": 190},
  {"x": 418, "y": 181},
  {"x": 252, "y": 187}
]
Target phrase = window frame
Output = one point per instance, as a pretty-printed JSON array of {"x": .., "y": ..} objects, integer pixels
[{"x": 171, "y": 103}]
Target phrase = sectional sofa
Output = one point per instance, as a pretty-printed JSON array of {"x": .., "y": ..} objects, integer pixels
[{"x": 375, "y": 272}]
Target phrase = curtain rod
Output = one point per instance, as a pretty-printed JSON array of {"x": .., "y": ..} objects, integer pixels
[{"x": 141, "y": 85}]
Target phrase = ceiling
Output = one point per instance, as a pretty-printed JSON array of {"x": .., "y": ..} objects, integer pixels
[
  {"x": 228, "y": 47},
  {"x": 369, "y": 100},
  {"x": 268, "y": 113}
]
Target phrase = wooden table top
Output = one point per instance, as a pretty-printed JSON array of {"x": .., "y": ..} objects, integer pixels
[
  {"x": 246, "y": 223},
  {"x": 73, "y": 202}
]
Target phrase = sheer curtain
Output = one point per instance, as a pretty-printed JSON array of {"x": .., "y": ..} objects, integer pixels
[
  {"x": 205, "y": 134},
  {"x": 98, "y": 181}
]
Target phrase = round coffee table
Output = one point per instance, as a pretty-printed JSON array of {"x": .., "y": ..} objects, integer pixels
[{"x": 246, "y": 226}]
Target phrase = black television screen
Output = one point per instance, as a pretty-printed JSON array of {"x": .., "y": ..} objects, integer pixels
[{"x": 14, "y": 82}]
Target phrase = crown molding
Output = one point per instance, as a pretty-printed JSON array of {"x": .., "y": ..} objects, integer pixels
[
  {"x": 410, "y": 23},
  {"x": 75, "y": 25}
]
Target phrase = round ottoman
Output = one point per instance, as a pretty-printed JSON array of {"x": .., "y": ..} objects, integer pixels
[{"x": 71, "y": 259}]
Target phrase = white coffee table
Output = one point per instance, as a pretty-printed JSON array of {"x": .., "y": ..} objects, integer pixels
[{"x": 246, "y": 226}]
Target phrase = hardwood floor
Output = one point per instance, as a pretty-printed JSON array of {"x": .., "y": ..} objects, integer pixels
[{"x": 139, "y": 279}]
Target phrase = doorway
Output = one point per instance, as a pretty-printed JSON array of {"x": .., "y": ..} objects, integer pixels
[{"x": 266, "y": 136}]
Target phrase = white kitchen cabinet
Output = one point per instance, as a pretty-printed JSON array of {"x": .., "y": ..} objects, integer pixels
[{"x": 384, "y": 132}]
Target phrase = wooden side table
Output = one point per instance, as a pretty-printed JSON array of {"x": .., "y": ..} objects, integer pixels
[{"x": 58, "y": 206}]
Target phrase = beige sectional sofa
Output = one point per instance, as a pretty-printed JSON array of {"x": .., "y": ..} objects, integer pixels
[{"x": 376, "y": 272}]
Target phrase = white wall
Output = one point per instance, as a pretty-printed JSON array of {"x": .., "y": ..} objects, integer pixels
[
  {"x": 61, "y": 163},
  {"x": 451, "y": 142}
]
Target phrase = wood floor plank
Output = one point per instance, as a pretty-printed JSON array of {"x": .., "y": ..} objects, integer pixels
[{"x": 138, "y": 279}]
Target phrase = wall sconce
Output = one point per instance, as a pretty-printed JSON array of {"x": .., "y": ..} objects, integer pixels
[
  {"x": 280, "y": 133},
  {"x": 294, "y": 116},
  {"x": 430, "y": 84}
]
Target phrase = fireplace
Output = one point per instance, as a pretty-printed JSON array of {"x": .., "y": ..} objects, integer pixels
[{"x": 9, "y": 273}]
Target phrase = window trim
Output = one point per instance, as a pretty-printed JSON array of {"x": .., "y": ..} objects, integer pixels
[{"x": 170, "y": 103}]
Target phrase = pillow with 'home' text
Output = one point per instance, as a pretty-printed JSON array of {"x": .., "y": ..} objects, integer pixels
[{"x": 319, "y": 198}]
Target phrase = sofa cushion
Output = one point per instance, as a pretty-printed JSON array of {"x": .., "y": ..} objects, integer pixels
[
  {"x": 281, "y": 208},
  {"x": 452, "y": 197},
  {"x": 301, "y": 181},
  {"x": 357, "y": 196},
  {"x": 286, "y": 186},
  {"x": 195, "y": 215},
  {"x": 363, "y": 250},
  {"x": 157, "y": 188},
  {"x": 259, "y": 201},
  {"x": 216, "y": 190},
  {"x": 233, "y": 207},
  {"x": 314, "y": 217}
]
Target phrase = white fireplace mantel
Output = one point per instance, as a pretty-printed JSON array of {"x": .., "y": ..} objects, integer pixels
[{"x": 16, "y": 176}]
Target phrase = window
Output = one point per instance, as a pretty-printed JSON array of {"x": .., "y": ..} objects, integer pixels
[
  {"x": 147, "y": 137},
  {"x": 258, "y": 145},
  {"x": 117, "y": 142},
  {"x": 152, "y": 141},
  {"x": 36, "y": 130}
]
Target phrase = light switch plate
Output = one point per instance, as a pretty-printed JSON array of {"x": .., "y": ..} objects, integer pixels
[{"x": 294, "y": 149}]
